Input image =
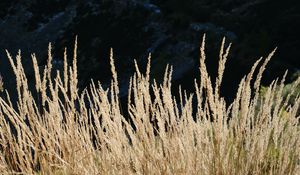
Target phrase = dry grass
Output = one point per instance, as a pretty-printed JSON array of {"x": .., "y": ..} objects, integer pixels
[{"x": 63, "y": 131}]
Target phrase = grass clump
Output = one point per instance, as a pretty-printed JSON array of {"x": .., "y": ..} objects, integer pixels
[{"x": 65, "y": 131}]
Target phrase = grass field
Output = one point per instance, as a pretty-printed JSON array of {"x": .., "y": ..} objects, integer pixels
[{"x": 55, "y": 129}]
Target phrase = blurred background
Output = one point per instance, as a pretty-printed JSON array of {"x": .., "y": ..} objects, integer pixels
[{"x": 169, "y": 29}]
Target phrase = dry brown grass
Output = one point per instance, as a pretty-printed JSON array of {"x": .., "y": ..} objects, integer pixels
[{"x": 67, "y": 132}]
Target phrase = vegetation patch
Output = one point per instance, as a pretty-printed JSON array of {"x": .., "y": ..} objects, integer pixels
[{"x": 55, "y": 129}]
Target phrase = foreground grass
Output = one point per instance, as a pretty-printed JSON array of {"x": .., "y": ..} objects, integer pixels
[{"x": 62, "y": 131}]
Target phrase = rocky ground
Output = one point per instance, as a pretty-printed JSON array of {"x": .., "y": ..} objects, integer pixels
[{"x": 170, "y": 29}]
